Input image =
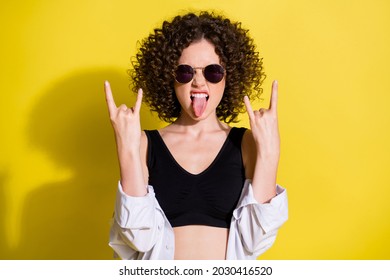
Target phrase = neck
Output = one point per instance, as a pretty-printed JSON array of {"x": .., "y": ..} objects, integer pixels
[{"x": 208, "y": 124}]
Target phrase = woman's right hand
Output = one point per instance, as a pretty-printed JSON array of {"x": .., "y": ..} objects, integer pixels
[{"x": 125, "y": 121}]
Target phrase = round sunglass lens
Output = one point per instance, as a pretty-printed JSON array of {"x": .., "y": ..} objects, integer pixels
[
  {"x": 214, "y": 73},
  {"x": 184, "y": 74}
]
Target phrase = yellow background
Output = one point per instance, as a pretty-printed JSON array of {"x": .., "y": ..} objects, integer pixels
[{"x": 58, "y": 168}]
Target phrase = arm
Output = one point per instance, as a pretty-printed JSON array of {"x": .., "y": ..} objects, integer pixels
[
  {"x": 127, "y": 129},
  {"x": 262, "y": 208},
  {"x": 136, "y": 218},
  {"x": 261, "y": 148}
]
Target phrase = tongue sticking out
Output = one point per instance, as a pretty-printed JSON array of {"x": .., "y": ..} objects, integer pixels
[{"x": 199, "y": 105}]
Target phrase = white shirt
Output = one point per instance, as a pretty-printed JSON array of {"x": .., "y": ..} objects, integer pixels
[{"x": 141, "y": 231}]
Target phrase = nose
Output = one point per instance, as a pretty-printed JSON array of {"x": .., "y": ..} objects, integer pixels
[{"x": 199, "y": 79}]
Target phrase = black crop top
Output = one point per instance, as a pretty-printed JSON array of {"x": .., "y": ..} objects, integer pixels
[{"x": 208, "y": 198}]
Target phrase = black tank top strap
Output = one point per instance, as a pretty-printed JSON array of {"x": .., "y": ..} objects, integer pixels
[
  {"x": 151, "y": 135},
  {"x": 236, "y": 135}
]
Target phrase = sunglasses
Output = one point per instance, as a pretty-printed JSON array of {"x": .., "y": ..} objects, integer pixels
[{"x": 213, "y": 73}]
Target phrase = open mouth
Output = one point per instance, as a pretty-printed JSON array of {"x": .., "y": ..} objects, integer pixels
[{"x": 199, "y": 103}]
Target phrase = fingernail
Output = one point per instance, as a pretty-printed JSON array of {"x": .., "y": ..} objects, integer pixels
[{"x": 106, "y": 83}]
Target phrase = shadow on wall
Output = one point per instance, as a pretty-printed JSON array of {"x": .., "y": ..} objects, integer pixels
[{"x": 70, "y": 123}]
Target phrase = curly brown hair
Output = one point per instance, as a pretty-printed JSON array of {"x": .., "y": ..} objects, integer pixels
[{"x": 159, "y": 53}]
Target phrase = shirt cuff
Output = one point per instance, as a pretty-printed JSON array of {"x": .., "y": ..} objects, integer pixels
[
  {"x": 135, "y": 212},
  {"x": 269, "y": 215}
]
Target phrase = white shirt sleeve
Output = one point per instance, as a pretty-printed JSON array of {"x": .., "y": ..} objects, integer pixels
[
  {"x": 137, "y": 221},
  {"x": 254, "y": 225}
]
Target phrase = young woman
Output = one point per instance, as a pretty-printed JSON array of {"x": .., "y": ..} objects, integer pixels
[{"x": 197, "y": 188}]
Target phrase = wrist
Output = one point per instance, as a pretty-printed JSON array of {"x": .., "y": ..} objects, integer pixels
[
  {"x": 127, "y": 147},
  {"x": 268, "y": 156},
  {"x": 129, "y": 154}
]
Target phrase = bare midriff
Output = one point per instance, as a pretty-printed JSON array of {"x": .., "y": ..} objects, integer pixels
[{"x": 197, "y": 242}]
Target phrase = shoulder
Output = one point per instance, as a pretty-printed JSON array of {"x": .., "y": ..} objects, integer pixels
[
  {"x": 144, "y": 138},
  {"x": 248, "y": 143},
  {"x": 247, "y": 138}
]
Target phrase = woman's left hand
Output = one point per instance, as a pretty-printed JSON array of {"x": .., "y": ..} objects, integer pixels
[{"x": 264, "y": 126}]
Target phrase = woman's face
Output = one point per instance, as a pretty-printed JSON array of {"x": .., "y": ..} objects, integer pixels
[{"x": 199, "y": 98}]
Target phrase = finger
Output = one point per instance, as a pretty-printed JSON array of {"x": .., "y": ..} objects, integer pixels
[
  {"x": 109, "y": 98},
  {"x": 123, "y": 108},
  {"x": 261, "y": 111},
  {"x": 138, "y": 103},
  {"x": 274, "y": 97},
  {"x": 248, "y": 107}
]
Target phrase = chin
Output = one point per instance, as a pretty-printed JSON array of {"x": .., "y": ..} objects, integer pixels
[{"x": 204, "y": 116}]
